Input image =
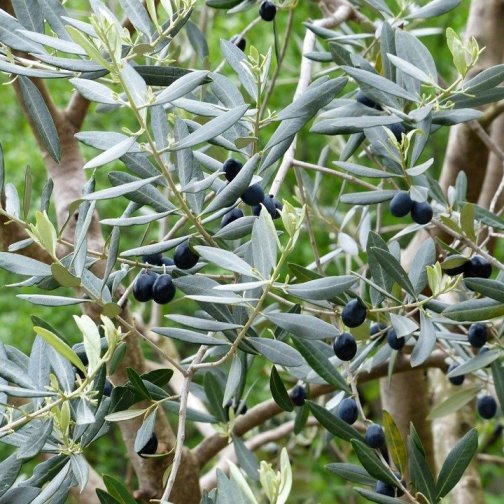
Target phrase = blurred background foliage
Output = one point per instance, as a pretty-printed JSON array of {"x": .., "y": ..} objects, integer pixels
[{"x": 309, "y": 454}]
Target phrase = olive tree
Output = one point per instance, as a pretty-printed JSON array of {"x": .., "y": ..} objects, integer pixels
[{"x": 403, "y": 283}]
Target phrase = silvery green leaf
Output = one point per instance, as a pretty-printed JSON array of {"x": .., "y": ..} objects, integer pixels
[
  {"x": 23, "y": 392},
  {"x": 454, "y": 402},
  {"x": 62, "y": 369},
  {"x": 52, "y": 487},
  {"x": 241, "y": 286},
  {"x": 225, "y": 259},
  {"x": 248, "y": 462},
  {"x": 237, "y": 60},
  {"x": 135, "y": 84},
  {"x": 120, "y": 190},
  {"x": 111, "y": 154},
  {"x": 198, "y": 108},
  {"x": 320, "y": 56},
  {"x": 303, "y": 326},
  {"x": 139, "y": 164},
  {"x": 387, "y": 45},
  {"x": 138, "y": 16},
  {"x": 71, "y": 64},
  {"x": 364, "y": 171},
  {"x": 53, "y": 12},
  {"x": 95, "y": 287},
  {"x": 145, "y": 431},
  {"x": 226, "y": 91},
  {"x": 233, "y": 379},
  {"x": 12, "y": 203},
  {"x": 381, "y": 6},
  {"x": 54, "y": 42},
  {"x": 491, "y": 288},
  {"x": 29, "y": 15},
  {"x": 38, "y": 365},
  {"x": 409, "y": 69},
  {"x": 410, "y": 49},
  {"x": 367, "y": 197},
  {"x": 434, "y": 8},
  {"x": 135, "y": 221},
  {"x": 226, "y": 300},
  {"x": 47, "y": 300},
  {"x": 80, "y": 469},
  {"x": 462, "y": 100},
  {"x": 456, "y": 463},
  {"x": 426, "y": 341},
  {"x": 474, "y": 310},
  {"x": 20, "y": 494},
  {"x": 94, "y": 91},
  {"x": 479, "y": 361},
  {"x": 84, "y": 414},
  {"x": 313, "y": 99},
  {"x": 393, "y": 268},
  {"x": 9, "y": 470},
  {"x": 275, "y": 153},
  {"x": 457, "y": 116},
  {"x": 197, "y": 186},
  {"x": 36, "y": 441},
  {"x": 352, "y": 124},
  {"x": 208, "y": 162},
  {"x": 42, "y": 118},
  {"x": 264, "y": 244},
  {"x": 182, "y": 86},
  {"x": 23, "y": 265},
  {"x": 381, "y": 83},
  {"x": 202, "y": 324},
  {"x": 201, "y": 285},
  {"x": 425, "y": 256},
  {"x": 237, "y": 229},
  {"x": 403, "y": 326},
  {"x": 148, "y": 195},
  {"x": 188, "y": 169},
  {"x": 104, "y": 140},
  {"x": 212, "y": 128},
  {"x": 219, "y": 140},
  {"x": 277, "y": 351},
  {"x": 197, "y": 40},
  {"x": 156, "y": 248},
  {"x": 421, "y": 168},
  {"x": 228, "y": 196},
  {"x": 322, "y": 288},
  {"x": 486, "y": 79},
  {"x": 15, "y": 374},
  {"x": 10, "y": 36},
  {"x": 189, "y": 336},
  {"x": 20, "y": 245}
]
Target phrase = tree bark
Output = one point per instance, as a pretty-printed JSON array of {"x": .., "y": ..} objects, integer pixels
[{"x": 465, "y": 149}]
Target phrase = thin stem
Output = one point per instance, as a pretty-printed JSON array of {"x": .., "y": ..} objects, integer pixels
[
  {"x": 276, "y": 73},
  {"x": 334, "y": 173},
  {"x": 184, "y": 394},
  {"x": 172, "y": 361}
]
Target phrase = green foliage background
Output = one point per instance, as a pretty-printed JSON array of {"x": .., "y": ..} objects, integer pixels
[{"x": 312, "y": 483}]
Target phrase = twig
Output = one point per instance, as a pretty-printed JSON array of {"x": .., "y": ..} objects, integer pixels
[
  {"x": 257, "y": 415},
  {"x": 334, "y": 173},
  {"x": 469, "y": 243},
  {"x": 341, "y": 14},
  {"x": 173, "y": 362},
  {"x": 184, "y": 393}
]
